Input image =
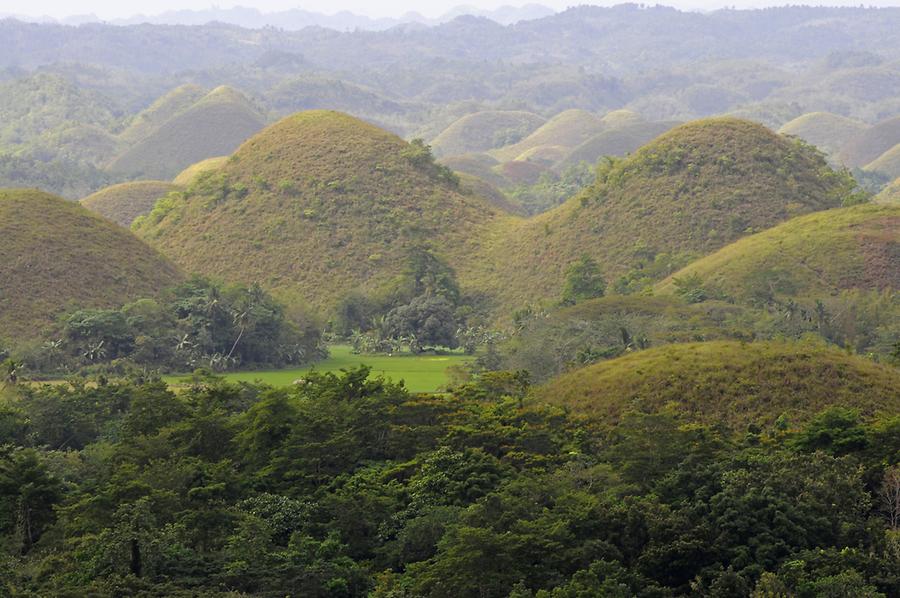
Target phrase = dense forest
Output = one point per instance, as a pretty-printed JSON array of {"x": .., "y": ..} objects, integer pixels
[
  {"x": 505, "y": 304},
  {"x": 348, "y": 486}
]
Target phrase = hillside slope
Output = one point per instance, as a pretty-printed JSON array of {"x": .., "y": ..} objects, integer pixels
[
  {"x": 162, "y": 110},
  {"x": 317, "y": 205},
  {"x": 828, "y": 132},
  {"x": 890, "y": 194},
  {"x": 729, "y": 383},
  {"x": 887, "y": 163},
  {"x": 811, "y": 256},
  {"x": 483, "y": 131},
  {"x": 124, "y": 202},
  {"x": 871, "y": 143},
  {"x": 213, "y": 126},
  {"x": 689, "y": 192},
  {"x": 620, "y": 141},
  {"x": 56, "y": 255}
]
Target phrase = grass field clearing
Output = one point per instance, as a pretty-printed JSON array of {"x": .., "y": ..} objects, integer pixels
[{"x": 421, "y": 373}]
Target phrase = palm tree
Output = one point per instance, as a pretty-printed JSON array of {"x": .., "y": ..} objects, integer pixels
[{"x": 10, "y": 371}]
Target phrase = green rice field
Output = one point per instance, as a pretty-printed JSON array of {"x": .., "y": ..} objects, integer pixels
[{"x": 421, "y": 373}]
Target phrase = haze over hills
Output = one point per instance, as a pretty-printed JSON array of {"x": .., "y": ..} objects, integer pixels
[
  {"x": 296, "y": 19},
  {"x": 483, "y": 131},
  {"x": 828, "y": 132},
  {"x": 215, "y": 125},
  {"x": 868, "y": 145},
  {"x": 56, "y": 255},
  {"x": 417, "y": 81}
]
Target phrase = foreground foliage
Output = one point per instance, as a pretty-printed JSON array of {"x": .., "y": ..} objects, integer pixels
[{"x": 349, "y": 486}]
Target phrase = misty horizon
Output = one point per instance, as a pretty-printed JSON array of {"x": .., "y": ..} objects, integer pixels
[{"x": 395, "y": 10}]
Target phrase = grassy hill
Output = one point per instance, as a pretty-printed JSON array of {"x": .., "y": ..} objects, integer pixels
[
  {"x": 890, "y": 194},
  {"x": 56, "y": 255},
  {"x": 620, "y": 141},
  {"x": 829, "y": 132},
  {"x": 729, "y": 383},
  {"x": 317, "y": 205},
  {"x": 483, "y": 131},
  {"x": 162, "y": 110},
  {"x": 811, "y": 256},
  {"x": 871, "y": 143},
  {"x": 214, "y": 126},
  {"x": 568, "y": 129},
  {"x": 691, "y": 191},
  {"x": 124, "y": 202},
  {"x": 620, "y": 118},
  {"x": 190, "y": 174},
  {"x": 887, "y": 164}
]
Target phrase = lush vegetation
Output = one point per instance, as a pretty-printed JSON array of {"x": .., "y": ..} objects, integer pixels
[
  {"x": 350, "y": 486},
  {"x": 196, "y": 324}
]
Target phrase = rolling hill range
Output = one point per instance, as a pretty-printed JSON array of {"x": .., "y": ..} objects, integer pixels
[
  {"x": 124, "y": 202},
  {"x": 213, "y": 126},
  {"x": 730, "y": 383},
  {"x": 56, "y": 255},
  {"x": 828, "y": 132},
  {"x": 567, "y": 129},
  {"x": 871, "y": 143},
  {"x": 317, "y": 205},
  {"x": 689, "y": 192},
  {"x": 811, "y": 256},
  {"x": 483, "y": 131}
]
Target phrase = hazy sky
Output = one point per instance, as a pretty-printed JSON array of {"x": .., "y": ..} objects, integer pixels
[{"x": 109, "y": 9}]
